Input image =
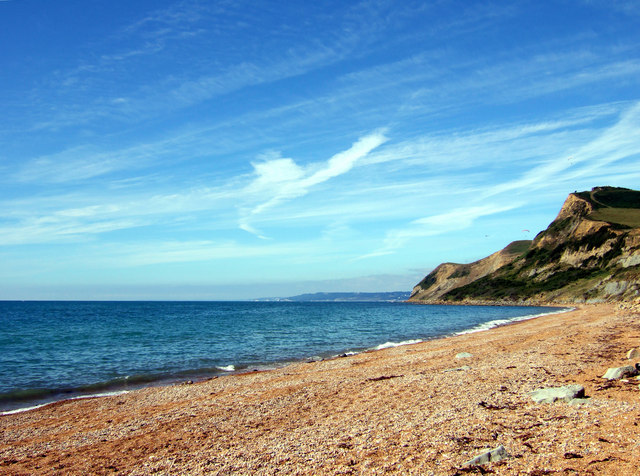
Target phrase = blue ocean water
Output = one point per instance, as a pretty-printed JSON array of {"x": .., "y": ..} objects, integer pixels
[{"x": 55, "y": 350}]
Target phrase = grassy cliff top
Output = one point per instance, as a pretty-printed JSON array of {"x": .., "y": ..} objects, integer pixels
[{"x": 614, "y": 205}]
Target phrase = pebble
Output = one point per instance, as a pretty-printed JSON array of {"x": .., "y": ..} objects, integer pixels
[
  {"x": 459, "y": 369},
  {"x": 489, "y": 456}
]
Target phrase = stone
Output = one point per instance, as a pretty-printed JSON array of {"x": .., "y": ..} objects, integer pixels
[
  {"x": 489, "y": 456},
  {"x": 617, "y": 373},
  {"x": 633, "y": 354},
  {"x": 580, "y": 401},
  {"x": 463, "y": 355},
  {"x": 458, "y": 369},
  {"x": 553, "y": 394}
]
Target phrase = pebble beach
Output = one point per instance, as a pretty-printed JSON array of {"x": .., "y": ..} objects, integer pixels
[{"x": 427, "y": 408}]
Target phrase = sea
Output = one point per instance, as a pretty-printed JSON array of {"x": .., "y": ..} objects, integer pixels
[{"x": 52, "y": 351}]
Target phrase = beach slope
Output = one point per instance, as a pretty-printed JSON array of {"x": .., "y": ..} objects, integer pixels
[{"x": 420, "y": 409}]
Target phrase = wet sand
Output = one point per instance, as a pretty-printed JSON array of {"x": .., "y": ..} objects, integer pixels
[{"x": 407, "y": 410}]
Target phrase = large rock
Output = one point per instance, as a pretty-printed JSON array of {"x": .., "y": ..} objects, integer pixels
[
  {"x": 489, "y": 456},
  {"x": 616, "y": 373},
  {"x": 553, "y": 394},
  {"x": 464, "y": 355}
]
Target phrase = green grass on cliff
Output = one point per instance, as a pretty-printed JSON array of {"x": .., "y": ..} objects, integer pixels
[
  {"x": 615, "y": 197},
  {"x": 615, "y": 205},
  {"x": 622, "y": 216},
  {"x": 519, "y": 247},
  {"x": 510, "y": 286}
]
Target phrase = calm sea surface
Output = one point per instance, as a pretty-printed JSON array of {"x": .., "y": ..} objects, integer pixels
[{"x": 55, "y": 350}]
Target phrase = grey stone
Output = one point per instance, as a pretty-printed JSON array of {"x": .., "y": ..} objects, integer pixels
[
  {"x": 580, "y": 401},
  {"x": 616, "y": 373},
  {"x": 463, "y": 355},
  {"x": 458, "y": 369},
  {"x": 633, "y": 354},
  {"x": 553, "y": 394},
  {"x": 489, "y": 456}
]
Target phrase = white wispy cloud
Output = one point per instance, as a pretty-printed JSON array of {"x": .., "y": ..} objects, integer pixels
[
  {"x": 167, "y": 36},
  {"x": 62, "y": 229},
  {"x": 78, "y": 163},
  {"x": 453, "y": 220},
  {"x": 437, "y": 89},
  {"x": 569, "y": 147},
  {"x": 587, "y": 160},
  {"x": 281, "y": 179},
  {"x": 400, "y": 174},
  {"x": 188, "y": 251}
]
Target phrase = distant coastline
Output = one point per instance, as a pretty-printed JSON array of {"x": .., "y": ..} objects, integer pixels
[{"x": 395, "y": 296}]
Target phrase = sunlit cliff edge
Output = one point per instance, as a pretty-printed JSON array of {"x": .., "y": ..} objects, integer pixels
[{"x": 589, "y": 253}]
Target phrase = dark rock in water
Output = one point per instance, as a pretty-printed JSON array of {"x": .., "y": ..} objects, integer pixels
[
  {"x": 616, "y": 373},
  {"x": 550, "y": 395},
  {"x": 489, "y": 456}
]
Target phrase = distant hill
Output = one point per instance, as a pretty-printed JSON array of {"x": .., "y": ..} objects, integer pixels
[
  {"x": 399, "y": 296},
  {"x": 589, "y": 253}
]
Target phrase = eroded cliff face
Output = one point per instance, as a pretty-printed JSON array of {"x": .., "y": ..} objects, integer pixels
[
  {"x": 449, "y": 276},
  {"x": 589, "y": 253}
]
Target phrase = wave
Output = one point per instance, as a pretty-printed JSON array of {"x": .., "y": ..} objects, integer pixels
[
  {"x": 15, "y": 401},
  {"x": 79, "y": 397},
  {"x": 485, "y": 326},
  {"x": 388, "y": 345},
  {"x": 227, "y": 368}
]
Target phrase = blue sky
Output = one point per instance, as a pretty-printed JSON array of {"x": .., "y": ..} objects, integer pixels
[{"x": 232, "y": 150}]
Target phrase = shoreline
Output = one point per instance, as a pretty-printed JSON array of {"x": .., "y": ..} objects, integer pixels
[
  {"x": 412, "y": 409},
  {"x": 194, "y": 376}
]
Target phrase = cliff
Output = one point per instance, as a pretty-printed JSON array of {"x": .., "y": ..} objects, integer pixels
[
  {"x": 589, "y": 253},
  {"x": 449, "y": 276}
]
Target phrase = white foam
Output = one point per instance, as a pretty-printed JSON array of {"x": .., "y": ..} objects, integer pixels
[
  {"x": 20, "y": 410},
  {"x": 227, "y": 368},
  {"x": 500, "y": 322},
  {"x": 79, "y": 397},
  {"x": 97, "y": 395},
  {"x": 388, "y": 345}
]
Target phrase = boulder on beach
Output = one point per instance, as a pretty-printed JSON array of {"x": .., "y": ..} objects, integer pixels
[
  {"x": 464, "y": 355},
  {"x": 633, "y": 354},
  {"x": 553, "y": 394},
  {"x": 616, "y": 373}
]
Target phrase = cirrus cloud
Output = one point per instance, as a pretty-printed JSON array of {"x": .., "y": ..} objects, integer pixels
[{"x": 281, "y": 179}]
